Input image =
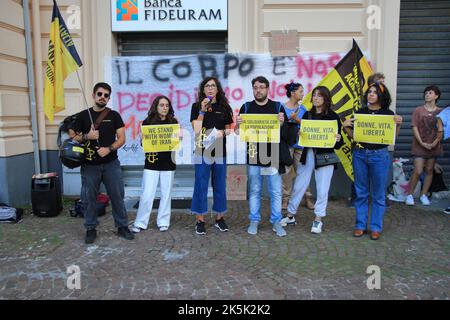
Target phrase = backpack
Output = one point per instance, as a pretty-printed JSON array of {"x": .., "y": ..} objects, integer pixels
[
  {"x": 78, "y": 209},
  {"x": 10, "y": 214}
]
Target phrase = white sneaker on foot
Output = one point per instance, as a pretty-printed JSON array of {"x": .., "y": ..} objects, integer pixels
[
  {"x": 279, "y": 230},
  {"x": 424, "y": 200},
  {"x": 288, "y": 221},
  {"x": 409, "y": 200},
  {"x": 253, "y": 227},
  {"x": 135, "y": 229},
  {"x": 317, "y": 227},
  {"x": 163, "y": 228}
]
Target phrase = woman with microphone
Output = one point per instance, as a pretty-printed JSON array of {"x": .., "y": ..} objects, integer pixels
[{"x": 211, "y": 118}]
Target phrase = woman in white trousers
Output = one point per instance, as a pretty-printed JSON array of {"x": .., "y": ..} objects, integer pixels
[
  {"x": 159, "y": 168},
  {"x": 321, "y": 110}
]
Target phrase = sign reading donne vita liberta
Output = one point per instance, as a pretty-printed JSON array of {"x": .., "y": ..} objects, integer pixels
[{"x": 169, "y": 15}]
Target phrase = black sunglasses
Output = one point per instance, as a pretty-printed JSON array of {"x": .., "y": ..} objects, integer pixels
[{"x": 100, "y": 94}]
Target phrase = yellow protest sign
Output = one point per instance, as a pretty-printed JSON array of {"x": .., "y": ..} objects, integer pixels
[
  {"x": 263, "y": 128},
  {"x": 376, "y": 129},
  {"x": 318, "y": 133},
  {"x": 160, "y": 138}
]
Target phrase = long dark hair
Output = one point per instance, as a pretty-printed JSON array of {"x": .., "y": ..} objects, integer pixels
[
  {"x": 326, "y": 95},
  {"x": 153, "y": 115},
  {"x": 384, "y": 97},
  {"x": 220, "y": 97}
]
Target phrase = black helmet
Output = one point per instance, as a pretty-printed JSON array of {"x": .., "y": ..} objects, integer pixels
[{"x": 71, "y": 153}]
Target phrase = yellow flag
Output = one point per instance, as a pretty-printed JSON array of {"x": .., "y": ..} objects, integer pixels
[
  {"x": 62, "y": 60},
  {"x": 346, "y": 82}
]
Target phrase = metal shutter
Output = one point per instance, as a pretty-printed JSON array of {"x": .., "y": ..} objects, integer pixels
[
  {"x": 168, "y": 43},
  {"x": 424, "y": 59},
  {"x": 171, "y": 43}
]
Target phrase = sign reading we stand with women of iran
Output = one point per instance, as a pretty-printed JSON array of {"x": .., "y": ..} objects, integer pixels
[
  {"x": 160, "y": 138},
  {"x": 137, "y": 81}
]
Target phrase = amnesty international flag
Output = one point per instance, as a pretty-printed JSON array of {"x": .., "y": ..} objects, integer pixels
[
  {"x": 62, "y": 60},
  {"x": 346, "y": 82}
]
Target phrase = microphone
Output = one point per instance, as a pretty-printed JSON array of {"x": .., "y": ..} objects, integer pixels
[{"x": 208, "y": 105}]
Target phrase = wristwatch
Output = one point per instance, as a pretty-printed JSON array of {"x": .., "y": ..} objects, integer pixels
[{"x": 111, "y": 148}]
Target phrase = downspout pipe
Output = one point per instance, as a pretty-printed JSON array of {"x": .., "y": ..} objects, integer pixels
[{"x": 31, "y": 86}]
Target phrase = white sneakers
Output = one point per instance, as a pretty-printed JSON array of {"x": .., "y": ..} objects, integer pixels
[
  {"x": 317, "y": 227},
  {"x": 279, "y": 230},
  {"x": 423, "y": 199},
  {"x": 409, "y": 200},
  {"x": 288, "y": 221},
  {"x": 135, "y": 229}
]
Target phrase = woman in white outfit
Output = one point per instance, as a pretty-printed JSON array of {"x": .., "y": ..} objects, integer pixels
[
  {"x": 159, "y": 167},
  {"x": 321, "y": 110}
]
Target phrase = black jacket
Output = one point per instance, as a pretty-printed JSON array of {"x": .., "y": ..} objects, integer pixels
[{"x": 285, "y": 154}]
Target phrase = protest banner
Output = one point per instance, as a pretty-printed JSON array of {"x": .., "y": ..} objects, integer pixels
[{"x": 137, "y": 81}]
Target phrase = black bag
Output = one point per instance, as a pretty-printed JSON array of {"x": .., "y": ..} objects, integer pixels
[
  {"x": 79, "y": 210},
  {"x": 285, "y": 154},
  {"x": 438, "y": 183},
  {"x": 292, "y": 133},
  {"x": 326, "y": 159},
  {"x": 10, "y": 214}
]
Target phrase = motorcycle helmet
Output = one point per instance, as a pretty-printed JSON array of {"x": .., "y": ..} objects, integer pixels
[{"x": 71, "y": 153}]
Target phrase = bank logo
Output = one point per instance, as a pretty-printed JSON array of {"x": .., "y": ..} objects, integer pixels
[{"x": 127, "y": 10}]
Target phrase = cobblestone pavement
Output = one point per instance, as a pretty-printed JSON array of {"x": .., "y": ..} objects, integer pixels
[{"x": 413, "y": 256}]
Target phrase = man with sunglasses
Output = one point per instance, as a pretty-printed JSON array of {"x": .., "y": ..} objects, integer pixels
[{"x": 103, "y": 135}]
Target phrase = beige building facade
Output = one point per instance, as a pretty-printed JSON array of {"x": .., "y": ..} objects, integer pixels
[{"x": 322, "y": 26}]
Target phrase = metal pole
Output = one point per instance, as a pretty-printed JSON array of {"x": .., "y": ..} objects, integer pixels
[
  {"x": 31, "y": 86},
  {"x": 84, "y": 96}
]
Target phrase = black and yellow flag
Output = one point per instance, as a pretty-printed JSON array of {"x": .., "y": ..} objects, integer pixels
[
  {"x": 62, "y": 60},
  {"x": 346, "y": 82}
]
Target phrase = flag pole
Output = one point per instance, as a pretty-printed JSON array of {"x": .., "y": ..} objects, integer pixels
[{"x": 84, "y": 96}]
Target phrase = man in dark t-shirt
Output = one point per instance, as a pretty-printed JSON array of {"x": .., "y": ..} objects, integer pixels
[
  {"x": 103, "y": 132},
  {"x": 263, "y": 160}
]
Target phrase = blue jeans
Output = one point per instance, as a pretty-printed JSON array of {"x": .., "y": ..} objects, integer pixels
[
  {"x": 255, "y": 180},
  {"x": 371, "y": 169},
  {"x": 111, "y": 176},
  {"x": 203, "y": 169}
]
